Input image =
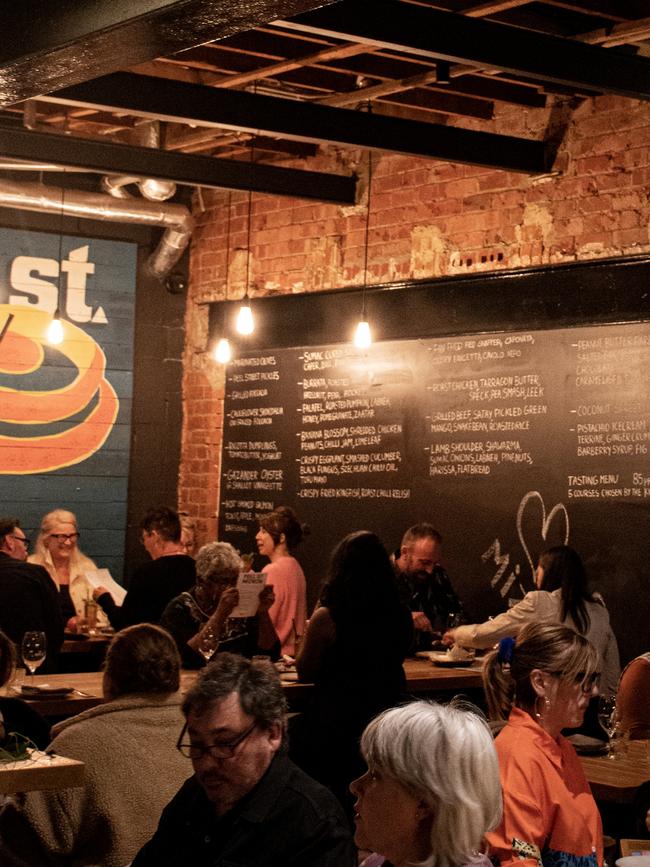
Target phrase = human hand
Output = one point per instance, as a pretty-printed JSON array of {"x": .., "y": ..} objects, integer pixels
[
  {"x": 449, "y": 637},
  {"x": 228, "y": 601},
  {"x": 421, "y": 621},
  {"x": 267, "y": 598},
  {"x": 76, "y": 624}
]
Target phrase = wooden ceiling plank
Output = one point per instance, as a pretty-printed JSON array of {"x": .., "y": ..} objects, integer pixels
[
  {"x": 619, "y": 34},
  {"x": 107, "y": 157},
  {"x": 589, "y": 8},
  {"x": 493, "y": 7},
  {"x": 282, "y": 66},
  {"x": 240, "y": 110},
  {"x": 444, "y": 101},
  {"x": 458, "y": 39},
  {"x": 47, "y": 44}
]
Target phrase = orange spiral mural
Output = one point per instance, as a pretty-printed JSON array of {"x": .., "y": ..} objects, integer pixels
[{"x": 22, "y": 353}]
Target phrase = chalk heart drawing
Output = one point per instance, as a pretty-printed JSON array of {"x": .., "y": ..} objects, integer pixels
[
  {"x": 555, "y": 518},
  {"x": 23, "y": 448}
]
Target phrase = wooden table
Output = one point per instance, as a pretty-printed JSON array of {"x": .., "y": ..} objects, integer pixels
[
  {"x": 39, "y": 773},
  {"x": 422, "y": 677},
  {"x": 92, "y": 644},
  {"x": 618, "y": 779}
]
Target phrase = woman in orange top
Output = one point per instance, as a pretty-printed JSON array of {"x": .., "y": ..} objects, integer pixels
[{"x": 542, "y": 684}]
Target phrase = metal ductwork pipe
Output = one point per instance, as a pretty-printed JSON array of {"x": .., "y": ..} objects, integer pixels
[
  {"x": 147, "y": 135},
  {"x": 175, "y": 219}
]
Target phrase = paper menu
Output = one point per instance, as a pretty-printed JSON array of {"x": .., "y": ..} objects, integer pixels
[
  {"x": 250, "y": 585},
  {"x": 103, "y": 578}
]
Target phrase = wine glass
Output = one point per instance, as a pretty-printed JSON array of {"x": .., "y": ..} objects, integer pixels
[
  {"x": 608, "y": 720},
  {"x": 208, "y": 643},
  {"x": 33, "y": 649}
]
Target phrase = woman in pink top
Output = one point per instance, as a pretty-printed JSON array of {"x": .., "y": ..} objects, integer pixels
[{"x": 279, "y": 534}]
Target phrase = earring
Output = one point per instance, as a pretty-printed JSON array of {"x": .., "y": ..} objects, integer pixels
[{"x": 539, "y": 714}]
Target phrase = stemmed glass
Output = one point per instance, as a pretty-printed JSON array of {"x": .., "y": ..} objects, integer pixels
[
  {"x": 33, "y": 649},
  {"x": 608, "y": 720},
  {"x": 208, "y": 643}
]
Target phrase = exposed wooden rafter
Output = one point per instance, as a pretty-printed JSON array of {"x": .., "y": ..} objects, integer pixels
[
  {"x": 443, "y": 35},
  {"x": 182, "y": 103}
]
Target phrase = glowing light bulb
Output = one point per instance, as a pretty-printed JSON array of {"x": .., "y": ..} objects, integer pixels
[
  {"x": 362, "y": 336},
  {"x": 54, "y": 332},
  {"x": 222, "y": 351},
  {"x": 245, "y": 323}
]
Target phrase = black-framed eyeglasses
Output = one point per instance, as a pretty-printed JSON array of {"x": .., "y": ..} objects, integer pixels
[
  {"x": 65, "y": 537},
  {"x": 26, "y": 542},
  {"x": 219, "y": 750}
]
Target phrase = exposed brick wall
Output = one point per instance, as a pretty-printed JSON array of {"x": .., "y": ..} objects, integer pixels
[{"x": 428, "y": 219}]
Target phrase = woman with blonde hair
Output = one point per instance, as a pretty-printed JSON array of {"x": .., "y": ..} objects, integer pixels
[
  {"x": 542, "y": 683},
  {"x": 58, "y": 551},
  {"x": 431, "y": 791}
]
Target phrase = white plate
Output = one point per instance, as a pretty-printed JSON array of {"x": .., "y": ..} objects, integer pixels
[
  {"x": 634, "y": 861},
  {"x": 439, "y": 658}
]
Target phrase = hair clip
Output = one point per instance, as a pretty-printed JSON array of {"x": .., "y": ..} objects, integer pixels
[{"x": 506, "y": 649}]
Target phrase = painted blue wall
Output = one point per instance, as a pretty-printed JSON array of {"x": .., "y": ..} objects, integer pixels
[{"x": 94, "y": 289}]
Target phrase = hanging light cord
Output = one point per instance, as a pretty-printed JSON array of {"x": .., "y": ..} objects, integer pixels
[
  {"x": 57, "y": 314},
  {"x": 365, "y": 255},
  {"x": 250, "y": 211},
  {"x": 228, "y": 243}
]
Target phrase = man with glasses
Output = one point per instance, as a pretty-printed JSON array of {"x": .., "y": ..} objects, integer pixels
[
  {"x": 247, "y": 803},
  {"x": 28, "y": 596}
]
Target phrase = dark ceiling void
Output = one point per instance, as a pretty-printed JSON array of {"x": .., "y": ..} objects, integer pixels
[{"x": 190, "y": 104}]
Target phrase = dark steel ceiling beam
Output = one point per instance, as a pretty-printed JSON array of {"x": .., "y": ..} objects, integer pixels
[
  {"x": 191, "y": 104},
  {"x": 201, "y": 171},
  {"x": 49, "y": 44},
  {"x": 433, "y": 34}
]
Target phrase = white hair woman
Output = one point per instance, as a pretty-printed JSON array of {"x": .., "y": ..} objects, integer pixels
[
  {"x": 57, "y": 549},
  {"x": 432, "y": 788}
]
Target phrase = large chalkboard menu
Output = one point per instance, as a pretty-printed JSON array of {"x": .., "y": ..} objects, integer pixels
[{"x": 507, "y": 442}]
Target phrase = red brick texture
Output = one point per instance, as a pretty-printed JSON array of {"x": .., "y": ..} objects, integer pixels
[{"x": 428, "y": 219}]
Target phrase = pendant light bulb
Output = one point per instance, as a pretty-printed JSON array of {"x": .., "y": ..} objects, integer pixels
[
  {"x": 55, "y": 330},
  {"x": 362, "y": 335},
  {"x": 222, "y": 351},
  {"x": 245, "y": 323}
]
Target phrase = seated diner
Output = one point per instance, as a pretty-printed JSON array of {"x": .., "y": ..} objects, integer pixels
[
  {"x": 199, "y": 618},
  {"x": 541, "y": 683},
  {"x": 131, "y": 767},
  {"x": 432, "y": 789}
]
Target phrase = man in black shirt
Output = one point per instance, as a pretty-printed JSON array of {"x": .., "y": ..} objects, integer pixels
[
  {"x": 28, "y": 596},
  {"x": 154, "y": 584},
  {"x": 425, "y": 585},
  {"x": 247, "y": 803}
]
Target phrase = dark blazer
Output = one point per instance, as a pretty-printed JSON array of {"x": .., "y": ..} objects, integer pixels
[{"x": 29, "y": 601}]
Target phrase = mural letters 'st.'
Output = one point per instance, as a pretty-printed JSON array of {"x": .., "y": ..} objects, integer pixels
[{"x": 65, "y": 410}]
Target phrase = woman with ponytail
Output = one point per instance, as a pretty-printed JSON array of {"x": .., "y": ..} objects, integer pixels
[{"x": 541, "y": 683}]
